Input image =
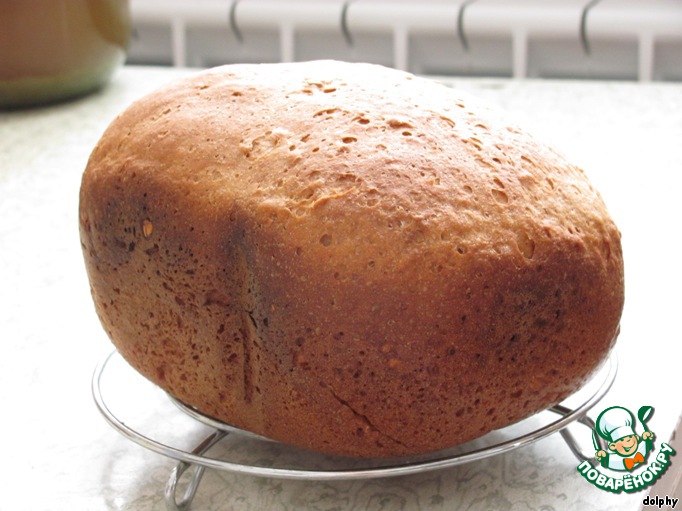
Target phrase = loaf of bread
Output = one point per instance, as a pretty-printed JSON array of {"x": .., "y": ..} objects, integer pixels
[{"x": 347, "y": 258}]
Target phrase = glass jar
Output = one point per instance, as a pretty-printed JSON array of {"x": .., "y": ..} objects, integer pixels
[{"x": 52, "y": 50}]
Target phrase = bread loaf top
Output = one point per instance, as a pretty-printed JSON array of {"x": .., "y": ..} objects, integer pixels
[{"x": 349, "y": 249}]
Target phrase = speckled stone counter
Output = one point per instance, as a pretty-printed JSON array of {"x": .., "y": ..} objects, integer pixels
[{"x": 58, "y": 453}]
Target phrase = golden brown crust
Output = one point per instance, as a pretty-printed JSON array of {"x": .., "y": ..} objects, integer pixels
[{"x": 346, "y": 257}]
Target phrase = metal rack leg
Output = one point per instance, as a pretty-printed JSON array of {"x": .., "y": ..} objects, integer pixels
[
  {"x": 570, "y": 440},
  {"x": 172, "y": 503}
]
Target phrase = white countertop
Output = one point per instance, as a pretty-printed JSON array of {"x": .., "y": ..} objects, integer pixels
[{"x": 59, "y": 454}]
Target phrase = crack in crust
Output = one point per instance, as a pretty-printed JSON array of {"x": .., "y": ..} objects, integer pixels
[{"x": 362, "y": 416}]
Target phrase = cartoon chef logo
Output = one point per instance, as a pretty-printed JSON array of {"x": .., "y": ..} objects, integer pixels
[
  {"x": 620, "y": 448},
  {"x": 627, "y": 449}
]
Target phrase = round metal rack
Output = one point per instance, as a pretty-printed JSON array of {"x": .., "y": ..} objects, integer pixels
[{"x": 166, "y": 426}]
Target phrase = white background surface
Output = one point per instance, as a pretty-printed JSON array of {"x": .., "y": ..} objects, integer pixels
[{"x": 59, "y": 454}]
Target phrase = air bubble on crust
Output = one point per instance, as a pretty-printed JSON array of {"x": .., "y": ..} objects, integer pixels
[
  {"x": 449, "y": 122},
  {"x": 147, "y": 228},
  {"x": 475, "y": 142},
  {"x": 397, "y": 123},
  {"x": 326, "y": 239},
  {"x": 328, "y": 112},
  {"x": 500, "y": 196},
  {"x": 525, "y": 244},
  {"x": 606, "y": 249}
]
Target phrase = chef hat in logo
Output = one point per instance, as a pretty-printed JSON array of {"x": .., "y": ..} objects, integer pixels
[{"x": 615, "y": 423}]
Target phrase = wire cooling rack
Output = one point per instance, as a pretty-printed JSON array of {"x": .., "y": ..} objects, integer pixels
[{"x": 160, "y": 423}]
